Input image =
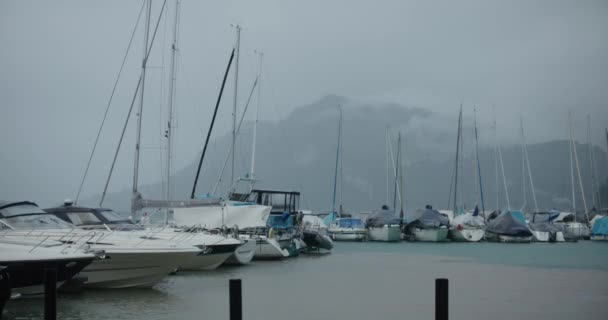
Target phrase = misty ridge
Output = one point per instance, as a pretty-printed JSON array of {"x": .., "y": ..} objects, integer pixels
[{"x": 298, "y": 153}]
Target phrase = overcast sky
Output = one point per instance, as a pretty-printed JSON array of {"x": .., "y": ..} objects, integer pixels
[{"x": 59, "y": 59}]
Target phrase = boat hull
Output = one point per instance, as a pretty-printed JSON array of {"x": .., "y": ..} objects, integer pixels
[
  {"x": 431, "y": 235},
  {"x": 599, "y": 237},
  {"x": 269, "y": 249},
  {"x": 315, "y": 240},
  {"x": 134, "y": 269},
  {"x": 467, "y": 235},
  {"x": 545, "y": 236},
  {"x": 243, "y": 254},
  {"x": 384, "y": 233},
  {"x": 348, "y": 234},
  {"x": 493, "y": 237}
]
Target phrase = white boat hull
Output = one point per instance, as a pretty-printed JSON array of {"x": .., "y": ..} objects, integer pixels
[
  {"x": 129, "y": 270},
  {"x": 243, "y": 254},
  {"x": 385, "y": 233},
  {"x": 602, "y": 237},
  {"x": 492, "y": 237},
  {"x": 431, "y": 235},
  {"x": 269, "y": 249},
  {"x": 544, "y": 236},
  {"x": 467, "y": 235},
  {"x": 348, "y": 234}
]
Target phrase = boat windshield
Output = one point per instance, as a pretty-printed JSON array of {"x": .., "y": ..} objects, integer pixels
[
  {"x": 36, "y": 221},
  {"x": 350, "y": 223},
  {"x": 114, "y": 217},
  {"x": 82, "y": 218}
]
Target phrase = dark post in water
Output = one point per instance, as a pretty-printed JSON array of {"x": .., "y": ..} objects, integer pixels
[
  {"x": 5, "y": 288},
  {"x": 50, "y": 294},
  {"x": 441, "y": 299},
  {"x": 236, "y": 300}
]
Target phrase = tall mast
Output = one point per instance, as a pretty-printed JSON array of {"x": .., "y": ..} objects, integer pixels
[
  {"x": 496, "y": 163},
  {"x": 528, "y": 166},
  {"x": 341, "y": 164},
  {"x": 483, "y": 207},
  {"x": 236, "y": 86},
  {"x": 386, "y": 144},
  {"x": 337, "y": 161},
  {"x": 255, "y": 123},
  {"x": 397, "y": 171},
  {"x": 591, "y": 165},
  {"x": 523, "y": 165},
  {"x": 504, "y": 178},
  {"x": 580, "y": 179},
  {"x": 401, "y": 193},
  {"x": 572, "y": 165},
  {"x": 141, "y": 99},
  {"x": 457, "y": 160},
  {"x": 169, "y": 132}
]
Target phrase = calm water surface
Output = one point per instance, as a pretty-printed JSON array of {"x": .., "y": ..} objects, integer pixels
[{"x": 372, "y": 281}]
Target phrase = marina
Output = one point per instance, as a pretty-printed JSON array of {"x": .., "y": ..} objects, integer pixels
[{"x": 451, "y": 174}]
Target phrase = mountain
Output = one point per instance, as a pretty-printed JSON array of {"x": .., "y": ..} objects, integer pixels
[{"x": 298, "y": 153}]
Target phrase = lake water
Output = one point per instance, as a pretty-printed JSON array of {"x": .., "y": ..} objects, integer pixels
[{"x": 372, "y": 281}]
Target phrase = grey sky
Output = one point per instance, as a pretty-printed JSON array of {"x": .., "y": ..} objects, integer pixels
[{"x": 59, "y": 59}]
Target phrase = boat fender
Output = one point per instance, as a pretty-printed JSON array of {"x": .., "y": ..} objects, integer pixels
[
  {"x": 271, "y": 233},
  {"x": 459, "y": 227}
]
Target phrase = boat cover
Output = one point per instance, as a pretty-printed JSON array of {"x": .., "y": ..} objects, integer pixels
[
  {"x": 428, "y": 219},
  {"x": 243, "y": 216},
  {"x": 350, "y": 223},
  {"x": 280, "y": 221},
  {"x": 313, "y": 221},
  {"x": 382, "y": 217},
  {"x": 545, "y": 227},
  {"x": 600, "y": 227},
  {"x": 510, "y": 223},
  {"x": 468, "y": 219},
  {"x": 545, "y": 216}
]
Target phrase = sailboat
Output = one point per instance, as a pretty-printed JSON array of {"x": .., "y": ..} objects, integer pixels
[
  {"x": 341, "y": 226},
  {"x": 570, "y": 220},
  {"x": 466, "y": 226},
  {"x": 508, "y": 226},
  {"x": 384, "y": 224}
]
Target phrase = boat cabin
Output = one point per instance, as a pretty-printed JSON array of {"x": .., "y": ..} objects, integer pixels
[{"x": 93, "y": 218}]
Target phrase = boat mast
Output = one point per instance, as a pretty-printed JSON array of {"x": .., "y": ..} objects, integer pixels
[
  {"x": 572, "y": 166},
  {"x": 255, "y": 123},
  {"x": 401, "y": 193},
  {"x": 457, "y": 160},
  {"x": 234, "y": 109},
  {"x": 386, "y": 144},
  {"x": 594, "y": 199},
  {"x": 528, "y": 166},
  {"x": 504, "y": 178},
  {"x": 141, "y": 101},
  {"x": 337, "y": 162},
  {"x": 483, "y": 207},
  {"x": 171, "y": 111},
  {"x": 397, "y": 171},
  {"x": 523, "y": 166},
  {"x": 496, "y": 164},
  {"x": 580, "y": 179}
]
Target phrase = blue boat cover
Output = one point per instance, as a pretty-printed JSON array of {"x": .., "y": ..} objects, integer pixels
[
  {"x": 282, "y": 221},
  {"x": 382, "y": 217},
  {"x": 350, "y": 223},
  {"x": 600, "y": 227}
]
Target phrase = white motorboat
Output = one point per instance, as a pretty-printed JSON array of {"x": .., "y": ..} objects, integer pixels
[
  {"x": 131, "y": 259},
  {"x": 216, "y": 248},
  {"x": 348, "y": 229},
  {"x": 26, "y": 260}
]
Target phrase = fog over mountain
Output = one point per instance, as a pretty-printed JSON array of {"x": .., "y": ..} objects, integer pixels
[{"x": 298, "y": 153}]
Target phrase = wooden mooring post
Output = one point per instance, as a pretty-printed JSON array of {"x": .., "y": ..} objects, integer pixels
[
  {"x": 236, "y": 300},
  {"x": 50, "y": 294},
  {"x": 441, "y": 299},
  {"x": 5, "y": 288}
]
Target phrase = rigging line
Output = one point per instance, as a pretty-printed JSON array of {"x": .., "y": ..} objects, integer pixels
[
  {"x": 580, "y": 179},
  {"x": 105, "y": 115},
  {"x": 217, "y": 104},
  {"x": 238, "y": 129},
  {"x": 122, "y": 135},
  {"x": 528, "y": 165},
  {"x": 458, "y": 144},
  {"x": 504, "y": 178}
]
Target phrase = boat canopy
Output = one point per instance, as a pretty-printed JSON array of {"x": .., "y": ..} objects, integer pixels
[
  {"x": 468, "y": 219},
  {"x": 382, "y": 217},
  {"x": 212, "y": 217},
  {"x": 545, "y": 227},
  {"x": 428, "y": 219},
  {"x": 545, "y": 216},
  {"x": 510, "y": 223},
  {"x": 282, "y": 221},
  {"x": 310, "y": 220},
  {"x": 349, "y": 223},
  {"x": 600, "y": 227}
]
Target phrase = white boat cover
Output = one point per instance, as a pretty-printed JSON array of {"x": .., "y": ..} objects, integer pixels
[
  {"x": 313, "y": 221},
  {"x": 228, "y": 214},
  {"x": 468, "y": 219}
]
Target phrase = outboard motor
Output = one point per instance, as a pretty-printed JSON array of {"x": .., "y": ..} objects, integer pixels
[{"x": 5, "y": 288}]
